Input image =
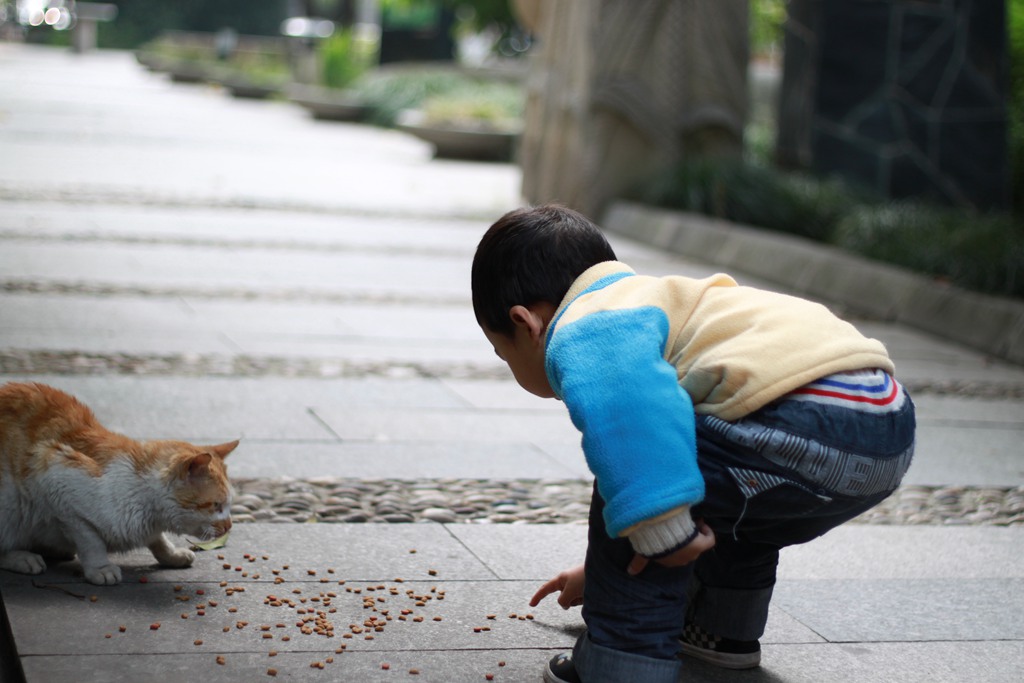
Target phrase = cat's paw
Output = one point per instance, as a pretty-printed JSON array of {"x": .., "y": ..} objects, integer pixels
[
  {"x": 107, "y": 575},
  {"x": 177, "y": 558},
  {"x": 23, "y": 562}
]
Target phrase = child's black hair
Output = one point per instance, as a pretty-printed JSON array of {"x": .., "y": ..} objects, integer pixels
[{"x": 531, "y": 255}]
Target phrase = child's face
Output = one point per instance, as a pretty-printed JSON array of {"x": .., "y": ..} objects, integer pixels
[{"x": 524, "y": 354}]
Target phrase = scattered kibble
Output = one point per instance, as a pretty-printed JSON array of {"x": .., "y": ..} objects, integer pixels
[
  {"x": 197, "y": 643},
  {"x": 122, "y": 629},
  {"x": 154, "y": 626},
  {"x": 385, "y": 666},
  {"x": 271, "y": 672},
  {"x": 414, "y": 672},
  {"x": 221, "y": 660}
]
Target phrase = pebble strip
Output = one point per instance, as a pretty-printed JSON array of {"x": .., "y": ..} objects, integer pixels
[
  {"x": 477, "y": 501},
  {"x": 30, "y": 361}
]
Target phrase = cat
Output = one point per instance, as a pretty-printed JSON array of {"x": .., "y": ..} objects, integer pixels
[{"x": 70, "y": 486}]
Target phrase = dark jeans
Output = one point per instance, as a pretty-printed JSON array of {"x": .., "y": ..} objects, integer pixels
[{"x": 781, "y": 476}]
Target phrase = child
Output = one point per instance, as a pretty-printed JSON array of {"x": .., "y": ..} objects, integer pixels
[{"x": 721, "y": 423}]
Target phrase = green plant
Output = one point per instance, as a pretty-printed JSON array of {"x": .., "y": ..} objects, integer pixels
[
  {"x": 980, "y": 252},
  {"x": 983, "y": 252},
  {"x": 766, "y": 19},
  {"x": 1015, "y": 104},
  {"x": 386, "y": 92},
  {"x": 751, "y": 193},
  {"x": 344, "y": 58},
  {"x": 482, "y": 104}
]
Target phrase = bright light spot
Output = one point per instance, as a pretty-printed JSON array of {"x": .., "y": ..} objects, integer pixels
[
  {"x": 51, "y": 16},
  {"x": 35, "y": 17}
]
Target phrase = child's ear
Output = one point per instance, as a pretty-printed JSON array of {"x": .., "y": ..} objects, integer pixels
[{"x": 530, "y": 319}]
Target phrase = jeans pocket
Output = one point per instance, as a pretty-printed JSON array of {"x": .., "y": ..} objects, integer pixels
[{"x": 769, "y": 498}]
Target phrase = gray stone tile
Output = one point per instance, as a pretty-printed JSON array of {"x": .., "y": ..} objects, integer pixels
[
  {"x": 126, "y": 341},
  {"x": 502, "y": 395},
  {"x": 191, "y": 409},
  {"x": 259, "y": 270},
  {"x": 448, "y": 425},
  {"x": 525, "y": 552},
  {"x": 76, "y": 315},
  {"x": 434, "y": 666},
  {"x": 967, "y": 412},
  {"x": 404, "y": 459},
  {"x": 866, "y": 610},
  {"x": 399, "y": 352},
  {"x": 43, "y": 625},
  {"x": 971, "y": 456},
  {"x": 256, "y": 407},
  {"x": 868, "y": 551},
  {"x": 244, "y": 226},
  {"x": 569, "y": 455},
  {"x": 981, "y": 662},
  {"x": 356, "y": 552}
]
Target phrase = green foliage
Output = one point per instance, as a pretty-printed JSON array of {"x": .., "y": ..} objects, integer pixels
[
  {"x": 752, "y": 194},
  {"x": 980, "y": 252},
  {"x": 388, "y": 91},
  {"x": 1015, "y": 21},
  {"x": 984, "y": 252},
  {"x": 344, "y": 58},
  {"x": 493, "y": 105},
  {"x": 766, "y": 20}
]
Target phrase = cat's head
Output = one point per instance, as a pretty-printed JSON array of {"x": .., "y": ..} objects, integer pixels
[{"x": 197, "y": 479}]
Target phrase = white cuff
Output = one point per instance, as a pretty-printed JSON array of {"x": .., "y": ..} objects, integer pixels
[{"x": 665, "y": 534}]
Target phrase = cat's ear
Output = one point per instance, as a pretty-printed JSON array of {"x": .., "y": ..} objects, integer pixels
[
  {"x": 199, "y": 465},
  {"x": 222, "y": 450}
]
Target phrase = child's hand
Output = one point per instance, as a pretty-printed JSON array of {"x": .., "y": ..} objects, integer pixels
[
  {"x": 568, "y": 584},
  {"x": 704, "y": 540}
]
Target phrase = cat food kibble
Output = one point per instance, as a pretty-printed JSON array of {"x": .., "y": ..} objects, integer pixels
[
  {"x": 271, "y": 672},
  {"x": 221, "y": 660},
  {"x": 154, "y": 626}
]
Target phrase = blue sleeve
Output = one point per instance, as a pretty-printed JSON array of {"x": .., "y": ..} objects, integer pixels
[{"x": 637, "y": 423}]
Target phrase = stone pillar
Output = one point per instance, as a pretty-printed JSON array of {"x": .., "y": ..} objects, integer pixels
[
  {"x": 619, "y": 90},
  {"x": 905, "y": 97}
]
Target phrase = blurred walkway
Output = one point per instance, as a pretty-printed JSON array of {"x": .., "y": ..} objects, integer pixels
[{"x": 206, "y": 268}]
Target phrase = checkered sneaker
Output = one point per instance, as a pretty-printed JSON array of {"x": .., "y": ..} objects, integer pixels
[{"x": 723, "y": 652}]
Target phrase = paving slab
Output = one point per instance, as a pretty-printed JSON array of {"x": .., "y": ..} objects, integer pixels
[
  {"x": 403, "y": 460},
  {"x": 885, "y": 624}
]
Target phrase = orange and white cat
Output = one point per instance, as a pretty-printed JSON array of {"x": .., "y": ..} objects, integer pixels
[{"x": 68, "y": 485}]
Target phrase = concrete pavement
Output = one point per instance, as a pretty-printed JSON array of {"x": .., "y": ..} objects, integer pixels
[{"x": 199, "y": 267}]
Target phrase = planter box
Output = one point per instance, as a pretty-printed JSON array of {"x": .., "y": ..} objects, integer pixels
[
  {"x": 451, "y": 142},
  {"x": 328, "y": 104}
]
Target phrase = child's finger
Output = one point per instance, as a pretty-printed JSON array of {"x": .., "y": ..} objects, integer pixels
[
  {"x": 636, "y": 565},
  {"x": 552, "y": 586}
]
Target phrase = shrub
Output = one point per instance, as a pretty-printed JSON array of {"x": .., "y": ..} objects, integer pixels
[
  {"x": 979, "y": 252},
  {"x": 983, "y": 252},
  {"x": 478, "y": 104},
  {"x": 344, "y": 58},
  {"x": 387, "y": 91}
]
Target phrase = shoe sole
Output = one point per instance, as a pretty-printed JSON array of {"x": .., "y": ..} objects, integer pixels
[
  {"x": 724, "y": 660},
  {"x": 552, "y": 678}
]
